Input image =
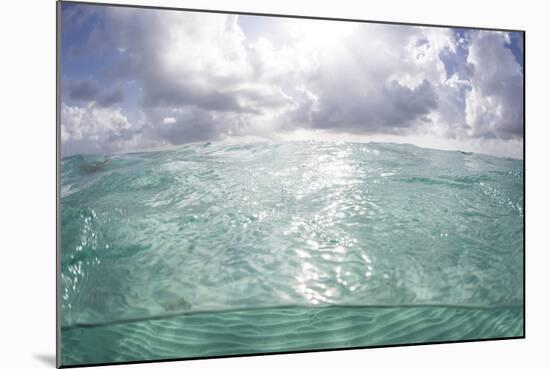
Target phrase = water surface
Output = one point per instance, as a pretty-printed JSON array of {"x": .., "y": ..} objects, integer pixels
[{"x": 217, "y": 249}]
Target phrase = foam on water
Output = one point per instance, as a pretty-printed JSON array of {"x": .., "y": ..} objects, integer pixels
[{"x": 239, "y": 231}]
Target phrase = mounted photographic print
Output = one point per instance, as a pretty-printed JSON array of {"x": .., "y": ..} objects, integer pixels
[{"x": 235, "y": 184}]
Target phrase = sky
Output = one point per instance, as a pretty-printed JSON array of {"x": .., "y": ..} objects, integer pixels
[{"x": 138, "y": 79}]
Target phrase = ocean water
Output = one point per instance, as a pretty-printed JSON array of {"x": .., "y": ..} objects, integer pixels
[{"x": 218, "y": 249}]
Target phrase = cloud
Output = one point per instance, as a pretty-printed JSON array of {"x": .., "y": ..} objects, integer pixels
[
  {"x": 185, "y": 125},
  {"x": 95, "y": 129},
  {"x": 379, "y": 79},
  {"x": 394, "y": 109},
  {"x": 82, "y": 90},
  {"x": 86, "y": 91},
  {"x": 494, "y": 105},
  {"x": 200, "y": 77},
  {"x": 113, "y": 97}
]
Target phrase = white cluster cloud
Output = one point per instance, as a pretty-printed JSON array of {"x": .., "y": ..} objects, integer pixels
[
  {"x": 95, "y": 129},
  {"x": 203, "y": 78}
]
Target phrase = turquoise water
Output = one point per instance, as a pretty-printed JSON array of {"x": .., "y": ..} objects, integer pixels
[{"x": 219, "y": 249}]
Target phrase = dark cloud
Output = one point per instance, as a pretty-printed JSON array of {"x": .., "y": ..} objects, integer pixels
[
  {"x": 407, "y": 105},
  {"x": 396, "y": 109},
  {"x": 111, "y": 98},
  {"x": 87, "y": 91},
  {"x": 82, "y": 90},
  {"x": 205, "y": 98},
  {"x": 194, "y": 125}
]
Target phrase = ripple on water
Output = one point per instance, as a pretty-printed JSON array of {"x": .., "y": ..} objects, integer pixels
[{"x": 312, "y": 225}]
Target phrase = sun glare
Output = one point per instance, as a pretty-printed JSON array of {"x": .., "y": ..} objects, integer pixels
[{"x": 321, "y": 33}]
